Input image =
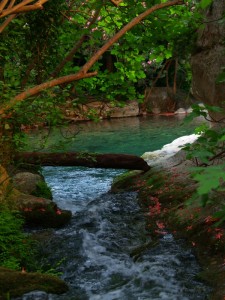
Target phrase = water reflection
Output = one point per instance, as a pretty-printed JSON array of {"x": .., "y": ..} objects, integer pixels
[{"x": 135, "y": 135}]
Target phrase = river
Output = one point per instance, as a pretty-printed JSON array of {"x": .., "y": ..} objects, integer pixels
[{"x": 95, "y": 249}]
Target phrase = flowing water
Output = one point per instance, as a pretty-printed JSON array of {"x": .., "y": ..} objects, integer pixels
[{"x": 100, "y": 248}]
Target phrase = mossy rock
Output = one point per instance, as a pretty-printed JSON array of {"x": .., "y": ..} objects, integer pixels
[
  {"x": 15, "y": 283},
  {"x": 43, "y": 190},
  {"x": 50, "y": 217},
  {"x": 125, "y": 181}
]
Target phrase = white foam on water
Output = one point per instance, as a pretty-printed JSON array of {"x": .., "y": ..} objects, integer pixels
[{"x": 168, "y": 150}]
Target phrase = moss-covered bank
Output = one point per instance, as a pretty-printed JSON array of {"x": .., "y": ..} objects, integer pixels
[
  {"x": 18, "y": 207},
  {"x": 163, "y": 194},
  {"x": 18, "y": 283}
]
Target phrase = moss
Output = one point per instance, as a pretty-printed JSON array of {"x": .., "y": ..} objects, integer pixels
[
  {"x": 43, "y": 190},
  {"x": 15, "y": 284},
  {"x": 125, "y": 181}
]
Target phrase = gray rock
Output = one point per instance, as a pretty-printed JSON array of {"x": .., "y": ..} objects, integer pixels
[
  {"x": 34, "y": 295},
  {"x": 26, "y": 182}
]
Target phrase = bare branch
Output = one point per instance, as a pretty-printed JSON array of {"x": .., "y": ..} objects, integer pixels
[
  {"x": 82, "y": 73},
  {"x": 22, "y": 7},
  {"x": 37, "y": 89},
  {"x": 116, "y": 2},
  {"x": 3, "y": 4},
  {"x": 6, "y": 23},
  {"x": 12, "y": 10},
  {"x": 70, "y": 55}
]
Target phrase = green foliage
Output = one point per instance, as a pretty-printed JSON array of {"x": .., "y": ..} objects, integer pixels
[
  {"x": 34, "y": 44},
  {"x": 209, "y": 179},
  {"x": 208, "y": 149},
  {"x": 87, "y": 155},
  {"x": 205, "y": 3},
  {"x": 15, "y": 246},
  {"x": 43, "y": 190}
]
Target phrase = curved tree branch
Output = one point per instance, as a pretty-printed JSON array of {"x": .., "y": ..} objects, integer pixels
[
  {"x": 38, "y": 88},
  {"x": 125, "y": 29},
  {"x": 82, "y": 73},
  {"x": 8, "y": 8}
]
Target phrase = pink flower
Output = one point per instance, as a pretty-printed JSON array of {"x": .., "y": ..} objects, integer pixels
[
  {"x": 218, "y": 235},
  {"x": 160, "y": 225},
  {"x": 58, "y": 212},
  {"x": 210, "y": 219}
]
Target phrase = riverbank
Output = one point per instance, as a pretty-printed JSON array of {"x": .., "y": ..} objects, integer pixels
[{"x": 164, "y": 192}]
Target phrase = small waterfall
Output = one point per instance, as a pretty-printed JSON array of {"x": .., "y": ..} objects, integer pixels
[{"x": 97, "y": 246}]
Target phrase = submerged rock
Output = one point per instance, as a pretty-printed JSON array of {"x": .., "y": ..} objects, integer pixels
[{"x": 35, "y": 295}]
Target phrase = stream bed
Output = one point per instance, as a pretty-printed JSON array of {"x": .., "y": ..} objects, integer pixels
[
  {"x": 96, "y": 248},
  {"x": 102, "y": 253}
]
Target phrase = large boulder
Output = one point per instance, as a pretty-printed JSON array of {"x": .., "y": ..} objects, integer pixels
[
  {"x": 31, "y": 183},
  {"x": 161, "y": 100},
  {"x": 209, "y": 59},
  {"x": 158, "y": 100},
  {"x": 28, "y": 193}
]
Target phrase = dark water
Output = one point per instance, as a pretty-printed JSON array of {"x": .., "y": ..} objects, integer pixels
[{"x": 97, "y": 246}]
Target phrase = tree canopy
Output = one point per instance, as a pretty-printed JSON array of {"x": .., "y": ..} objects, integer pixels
[{"x": 68, "y": 41}]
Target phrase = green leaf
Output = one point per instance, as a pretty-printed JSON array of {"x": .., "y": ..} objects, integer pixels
[
  {"x": 221, "y": 78},
  {"x": 210, "y": 179},
  {"x": 205, "y": 3}
]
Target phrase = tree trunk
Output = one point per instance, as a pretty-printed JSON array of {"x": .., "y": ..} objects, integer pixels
[{"x": 91, "y": 160}]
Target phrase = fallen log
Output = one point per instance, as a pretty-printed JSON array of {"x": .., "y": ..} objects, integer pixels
[{"x": 91, "y": 160}]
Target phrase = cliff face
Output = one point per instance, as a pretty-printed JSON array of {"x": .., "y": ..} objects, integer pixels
[{"x": 209, "y": 60}]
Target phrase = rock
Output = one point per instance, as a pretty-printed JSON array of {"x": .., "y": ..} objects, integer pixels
[
  {"x": 131, "y": 109},
  {"x": 37, "y": 211},
  {"x": 16, "y": 284},
  {"x": 32, "y": 184},
  {"x": 209, "y": 60},
  {"x": 162, "y": 100},
  {"x": 180, "y": 111},
  {"x": 26, "y": 182},
  {"x": 102, "y": 110},
  {"x": 125, "y": 181},
  {"x": 157, "y": 100},
  {"x": 35, "y": 295}
]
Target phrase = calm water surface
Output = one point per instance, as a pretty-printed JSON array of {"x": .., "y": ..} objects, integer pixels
[{"x": 125, "y": 135}]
